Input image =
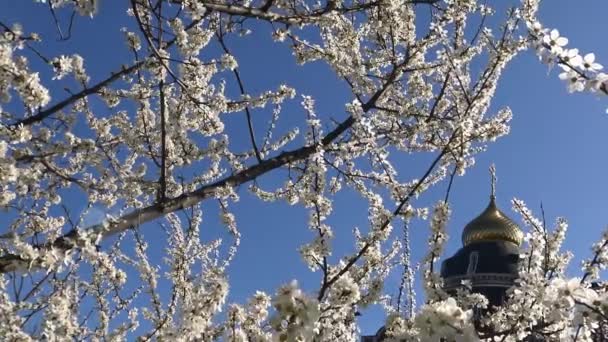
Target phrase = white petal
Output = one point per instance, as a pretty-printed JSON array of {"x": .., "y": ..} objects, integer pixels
[
  {"x": 589, "y": 58},
  {"x": 556, "y": 49},
  {"x": 562, "y": 41},
  {"x": 575, "y": 61}
]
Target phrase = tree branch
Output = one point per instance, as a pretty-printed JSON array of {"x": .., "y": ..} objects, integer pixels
[{"x": 10, "y": 262}]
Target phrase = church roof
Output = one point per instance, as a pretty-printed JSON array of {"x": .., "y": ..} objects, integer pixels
[{"x": 492, "y": 225}]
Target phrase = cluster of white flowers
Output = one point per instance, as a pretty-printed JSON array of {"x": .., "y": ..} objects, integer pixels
[
  {"x": 437, "y": 239},
  {"x": 83, "y": 7},
  {"x": 65, "y": 65},
  {"x": 246, "y": 324},
  {"x": 445, "y": 319},
  {"x": 15, "y": 73},
  {"x": 191, "y": 41},
  {"x": 296, "y": 314},
  {"x": 580, "y": 72},
  {"x": 228, "y": 62}
]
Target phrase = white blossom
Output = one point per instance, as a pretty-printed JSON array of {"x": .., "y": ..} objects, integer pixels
[
  {"x": 228, "y": 62},
  {"x": 555, "y": 41}
]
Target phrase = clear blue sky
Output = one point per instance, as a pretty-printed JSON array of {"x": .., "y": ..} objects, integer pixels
[{"x": 555, "y": 153}]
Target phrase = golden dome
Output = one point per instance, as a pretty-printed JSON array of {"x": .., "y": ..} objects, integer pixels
[{"x": 492, "y": 225}]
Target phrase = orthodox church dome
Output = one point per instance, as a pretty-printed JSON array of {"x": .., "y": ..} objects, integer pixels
[
  {"x": 489, "y": 257},
  {"x": 492, "y": 225}
]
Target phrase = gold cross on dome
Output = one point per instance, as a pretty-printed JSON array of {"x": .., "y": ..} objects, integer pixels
[{"x": 493, "y": 175}]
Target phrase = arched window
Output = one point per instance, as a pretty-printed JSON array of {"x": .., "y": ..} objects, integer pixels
[{"x": 472, "y": 263}]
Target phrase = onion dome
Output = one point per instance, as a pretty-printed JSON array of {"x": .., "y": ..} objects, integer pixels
[
  {"x": 489, "y": 259},
  {"x": 492, "y": 225}
]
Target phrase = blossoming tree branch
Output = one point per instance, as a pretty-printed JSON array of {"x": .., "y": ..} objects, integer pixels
[{"x": 152, "y": 141}]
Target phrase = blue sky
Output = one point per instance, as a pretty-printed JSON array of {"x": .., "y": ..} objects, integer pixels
[{"x": 555, "y": 153}]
